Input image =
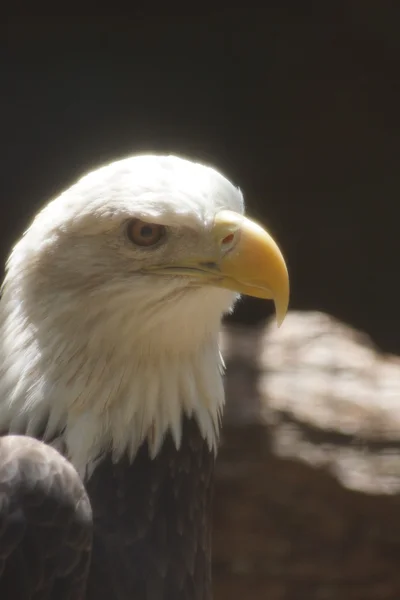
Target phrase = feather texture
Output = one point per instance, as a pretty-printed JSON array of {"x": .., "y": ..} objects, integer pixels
[{"x": 45, "y": 524}]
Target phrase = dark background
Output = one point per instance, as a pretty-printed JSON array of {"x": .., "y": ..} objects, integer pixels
[{"x": 297, "y": 102}]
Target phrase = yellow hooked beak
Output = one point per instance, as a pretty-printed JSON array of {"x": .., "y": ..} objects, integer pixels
[
  {"x": 247, "y": 261},
  {"x": 255, "y": 265}
]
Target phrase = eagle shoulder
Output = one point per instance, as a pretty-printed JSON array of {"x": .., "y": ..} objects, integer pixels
[{"x": 45, "y": 523}]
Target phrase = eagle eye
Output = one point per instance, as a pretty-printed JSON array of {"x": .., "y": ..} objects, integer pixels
[{"x": 145, "y": 234}]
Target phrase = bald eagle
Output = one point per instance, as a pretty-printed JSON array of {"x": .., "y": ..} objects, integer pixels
[{"x": 111, "y": 388}]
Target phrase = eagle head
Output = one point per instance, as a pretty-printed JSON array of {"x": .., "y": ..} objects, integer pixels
[{"x": 112, "y": 304}]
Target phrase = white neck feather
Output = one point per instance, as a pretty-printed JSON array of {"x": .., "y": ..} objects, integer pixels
[{"x": 105, "y": 377}]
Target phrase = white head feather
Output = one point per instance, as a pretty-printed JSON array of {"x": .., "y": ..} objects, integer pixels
[{"x": 90, "y": 344}]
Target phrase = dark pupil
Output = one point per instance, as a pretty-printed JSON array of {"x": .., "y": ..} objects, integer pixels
[{"x": 146, "y": 231}]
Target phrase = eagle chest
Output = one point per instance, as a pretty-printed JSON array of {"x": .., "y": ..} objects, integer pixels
[{"x": 152, "y": 523}]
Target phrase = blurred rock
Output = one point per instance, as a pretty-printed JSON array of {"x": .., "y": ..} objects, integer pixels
[
  {"x": 330, "y": 376},
  {"x": 307, "y": 498}
]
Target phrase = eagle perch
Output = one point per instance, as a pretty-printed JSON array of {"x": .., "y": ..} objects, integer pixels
[{"x": 111, "y": 387}]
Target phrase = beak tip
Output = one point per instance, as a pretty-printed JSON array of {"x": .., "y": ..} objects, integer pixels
[
  {"x": 281, "y": 309},
  {"x": 279, "y": 320}
]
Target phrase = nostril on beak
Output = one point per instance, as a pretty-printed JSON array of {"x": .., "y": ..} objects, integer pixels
[{"x": 228, "y": 239}]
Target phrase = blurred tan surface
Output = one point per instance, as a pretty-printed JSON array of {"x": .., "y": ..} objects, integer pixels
[{"x": 307, "y": 498}]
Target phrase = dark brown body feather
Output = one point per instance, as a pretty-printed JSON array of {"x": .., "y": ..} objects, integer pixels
[
  {"x": 45, "y": 524},
  {"x": 151, "y": 525}
]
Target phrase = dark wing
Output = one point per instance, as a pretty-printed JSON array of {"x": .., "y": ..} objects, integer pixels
[{"x": 45, "y": 523}]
